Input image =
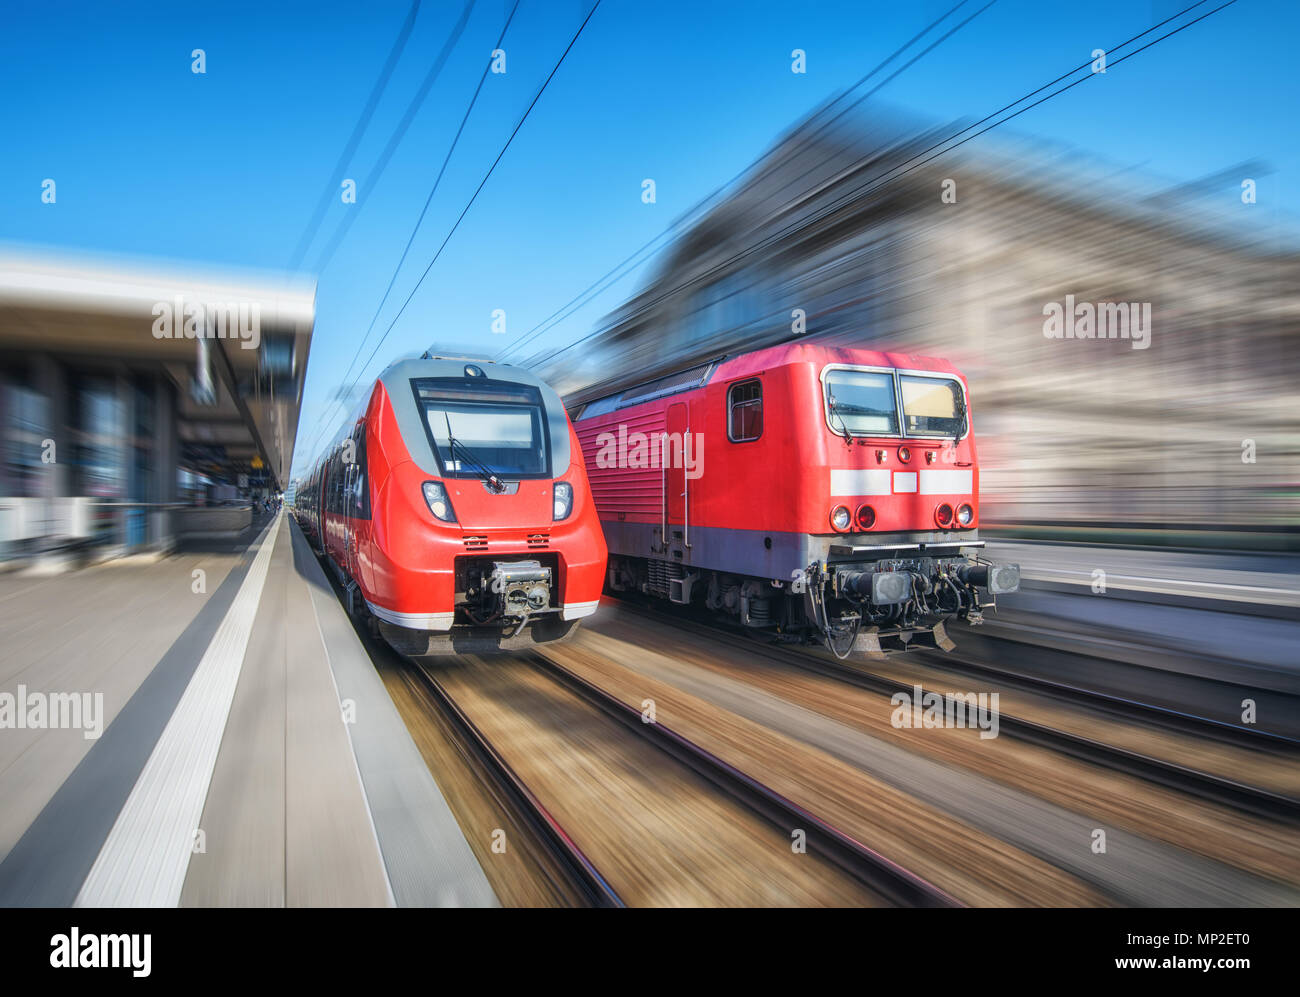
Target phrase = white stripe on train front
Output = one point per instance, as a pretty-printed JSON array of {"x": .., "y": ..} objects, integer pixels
[
  {"x": 413, "y": 621},
  {"x": 577, "y": 610},
  {"x": 849, "y": 481},
  {"x": 946, "y": 482},
  {"x": 859, "y": 481}
]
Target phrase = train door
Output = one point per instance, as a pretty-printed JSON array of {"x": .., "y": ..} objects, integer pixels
[
  {"x": 673, "y": 458},
  {"x": 336, "y": 473},
  {"x": 323, "y": 486},
  {"x": 357, "y": 506}
]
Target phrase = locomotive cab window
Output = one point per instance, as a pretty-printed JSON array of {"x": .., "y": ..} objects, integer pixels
[
  {"x": 861, "y": 403},
  {"x": 745, "y": 411},
  {"x": 932, "y": 406}
]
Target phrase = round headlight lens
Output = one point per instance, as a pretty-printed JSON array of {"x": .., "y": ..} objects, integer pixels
[
  {"x": 904, "y": 454},
  {"x": 840, "y": 517},
  {"x": 965, "y": 514},
  {"x": 943, "y": 514},
  {"x": 866, "y": 517}
]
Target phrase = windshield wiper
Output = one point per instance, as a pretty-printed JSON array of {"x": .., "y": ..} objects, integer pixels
[
  {"x": 833, "y": 408},
  {"x": 494, "y": 484}
]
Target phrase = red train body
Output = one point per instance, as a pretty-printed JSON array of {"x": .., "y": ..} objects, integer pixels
[
  {"x": 821, "y": 491},
  {"x": 455, "y": 509}
]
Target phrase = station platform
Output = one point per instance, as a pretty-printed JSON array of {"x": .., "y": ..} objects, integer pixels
[{"x": 206, "y": 729}]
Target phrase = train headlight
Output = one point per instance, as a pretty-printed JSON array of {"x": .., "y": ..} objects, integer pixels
[
  {"x": 841, "y": 517},
  {"x": 563, "y": 500},
  {"x": 943, "y": 514},
  {"x": 439, "y": 504},
  {"x": 965, "y": 515},
  {"x": 866, "y": 517}
]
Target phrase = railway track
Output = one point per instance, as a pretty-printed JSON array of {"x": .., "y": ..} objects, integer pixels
[
  {"x": 1167, "y": 718},
  {"x": 873, "y": 872},
  {"x": 867, "y": 866},
  {"x": 1204, "y": 785},
  {"x": 579, "y": 871}
]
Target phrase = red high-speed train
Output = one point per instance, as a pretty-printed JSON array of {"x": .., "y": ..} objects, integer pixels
[
  {"x": 824, "y": 492},
  {"x": 454, "y": 507}
]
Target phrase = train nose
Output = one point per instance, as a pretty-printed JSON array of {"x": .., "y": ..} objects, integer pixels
[{"x": 522, "y": 504}]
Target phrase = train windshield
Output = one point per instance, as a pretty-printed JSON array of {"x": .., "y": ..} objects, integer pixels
[
  {"x": 866, "y": 403},
  {"x": 498, "y": 426},
  {"x": 861, "y": 402},
  {"x": 932, "y": 406}
]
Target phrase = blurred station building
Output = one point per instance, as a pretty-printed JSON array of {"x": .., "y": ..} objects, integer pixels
[
  {"x": 845, "y": 232},
  {"x": 140, "y": 407}
]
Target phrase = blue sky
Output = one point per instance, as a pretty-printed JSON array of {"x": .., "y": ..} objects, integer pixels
[{"x": 225, "y": 168}]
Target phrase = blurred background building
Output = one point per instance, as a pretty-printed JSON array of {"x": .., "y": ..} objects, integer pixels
[
  {"x": 123, "y": 430},
  {"x": 842, "y": 223}
]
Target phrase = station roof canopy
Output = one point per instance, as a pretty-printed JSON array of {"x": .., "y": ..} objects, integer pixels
[{"x": 234, "y": 344}]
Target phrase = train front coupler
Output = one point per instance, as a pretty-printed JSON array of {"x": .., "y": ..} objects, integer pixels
[
  {"x": 510, "y": 593},
  {"x": 521, "y": 588}
]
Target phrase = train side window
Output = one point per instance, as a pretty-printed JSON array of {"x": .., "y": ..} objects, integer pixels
[{"x": 745, "y": 411}]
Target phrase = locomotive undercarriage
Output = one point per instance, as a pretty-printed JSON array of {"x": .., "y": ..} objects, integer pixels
[{"x": 870, "y": 607}]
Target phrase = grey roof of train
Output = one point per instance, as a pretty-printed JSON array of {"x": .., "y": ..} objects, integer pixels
[
  {"x": 455, "y": 367},
  {"x": 397, "y": 378}
]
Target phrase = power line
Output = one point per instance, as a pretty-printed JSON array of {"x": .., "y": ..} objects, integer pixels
[
  {"x": 880, "y": 180},
  {"x": 346, "y": 392},
  {"x": 412, "y": 109},
  {"x": 629, "y": 263},
  {"x": 477, "y": 190},
  {"x": 350, "y": 148},
  {"x": 427, "y": 201},
  {"x": 433, "y": 190}
]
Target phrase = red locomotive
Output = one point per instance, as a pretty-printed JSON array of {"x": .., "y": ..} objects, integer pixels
[
  {"x": 820, "y": 491},
  {"x": 454, "y": 507}
]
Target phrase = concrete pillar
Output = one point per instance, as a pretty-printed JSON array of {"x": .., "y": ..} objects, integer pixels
[
  {"x": 51, "y": 381},
  {"x": 166, "y": 455},
  {"x": 8, "y": 486}
]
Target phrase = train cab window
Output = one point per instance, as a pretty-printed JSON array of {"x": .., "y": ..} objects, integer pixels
[
  {"x": 745, "y": 411},
  {"x": 861, "y": 402},
  {"x": 932, "y": 406}
]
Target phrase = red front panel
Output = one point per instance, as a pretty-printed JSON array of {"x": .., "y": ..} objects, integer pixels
[{"x": 791, "y": 477}]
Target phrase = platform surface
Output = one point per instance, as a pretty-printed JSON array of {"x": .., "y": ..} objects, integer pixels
[{"x": 236, "y": 746}]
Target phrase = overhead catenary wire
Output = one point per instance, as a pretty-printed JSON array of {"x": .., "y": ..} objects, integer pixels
[
  {"x": 634, "y": 260},
  {"x": 335, "y": 178},
  {"x": 432, "y": 190},
  {"x": 395, "y": 139},
  {"x": 412, "y": 108},
  {"x": 477, "y": 191},
  {"x": 875, "y": 183},
  {"x": 826, "y": 108}
]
